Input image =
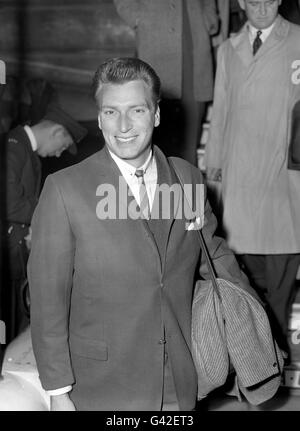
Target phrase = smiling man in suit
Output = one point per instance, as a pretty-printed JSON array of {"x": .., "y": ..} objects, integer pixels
[
  {"x": 111, "y": 296},
  {"x": 174, "y": 37},
  {"x": 253, "y": 129}
]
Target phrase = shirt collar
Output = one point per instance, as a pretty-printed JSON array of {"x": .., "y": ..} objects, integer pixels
[
  {"x": 127, "y": 167},
  {"x": 31, "y": 137},
  {"x": 265, "y": 32}
]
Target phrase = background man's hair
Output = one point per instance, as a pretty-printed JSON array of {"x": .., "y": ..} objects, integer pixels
[{"x": 121, "y": 70}]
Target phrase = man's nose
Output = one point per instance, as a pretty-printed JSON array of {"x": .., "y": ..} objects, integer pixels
[
  {"x": 263, "y": 9},
  {"x": 125, "y": 122}
]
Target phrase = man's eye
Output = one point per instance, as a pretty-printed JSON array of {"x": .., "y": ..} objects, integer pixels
[
  {"x": 139, "y": 110},
  {"x": 109, "y": 112}
]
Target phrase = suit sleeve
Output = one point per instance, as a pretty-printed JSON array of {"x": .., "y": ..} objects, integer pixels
[
  {"x": 19, "y": 207},
  {"x": 213, "y": 150},
  {"x": 50, "y": 270}
]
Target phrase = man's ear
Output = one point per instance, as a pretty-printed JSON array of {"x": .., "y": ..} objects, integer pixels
[
  {"x": 57, "y": 129},
  {"x": 242, "y": 4},
  {"x": 157, "y": 117}
]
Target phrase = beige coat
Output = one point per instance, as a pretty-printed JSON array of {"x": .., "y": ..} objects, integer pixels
[{"x": 249, "y": 140}]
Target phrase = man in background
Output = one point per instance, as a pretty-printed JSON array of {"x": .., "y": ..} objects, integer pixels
[
  {"x": 24, "y": 146},
  {"x": 257, "y": 87}
]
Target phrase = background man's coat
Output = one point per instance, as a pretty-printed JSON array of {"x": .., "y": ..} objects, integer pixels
[
  {"x": 250, "y": 132},
  {"x": 101, "y": 328}
]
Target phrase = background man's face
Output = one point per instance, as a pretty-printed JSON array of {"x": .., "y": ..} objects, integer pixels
[
  {"x": 260, "y": 13},
  {"x": 127, "y": 117},
  {"x": 55, "y": 140}
]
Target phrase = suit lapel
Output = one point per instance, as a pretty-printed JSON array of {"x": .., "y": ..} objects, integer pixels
[
  {"x": 277, "y": 35},
  {"x": 109, "y": 173},
  {"x": 243, "y": 48},
  {"x": 241, "y": 45},
  {"x": 161, "y": 226}
]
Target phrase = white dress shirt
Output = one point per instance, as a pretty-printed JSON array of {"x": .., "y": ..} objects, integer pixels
[
  {"x": 265, "y": 32},
  {"x": 150, "y": 176},
  {"x": 128, "y": 172}
]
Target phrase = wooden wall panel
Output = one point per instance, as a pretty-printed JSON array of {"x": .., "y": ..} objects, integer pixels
[{"x": 62, "y": 41}]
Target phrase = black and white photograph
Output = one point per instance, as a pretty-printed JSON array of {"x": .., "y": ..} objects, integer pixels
[{"x": 150, "y": 209}]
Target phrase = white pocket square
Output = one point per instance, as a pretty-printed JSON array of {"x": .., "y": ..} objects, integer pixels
[{"x": 194, "y": 225}]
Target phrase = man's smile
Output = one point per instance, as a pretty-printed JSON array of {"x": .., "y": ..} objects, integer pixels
[{"x": 124, "y": 139}]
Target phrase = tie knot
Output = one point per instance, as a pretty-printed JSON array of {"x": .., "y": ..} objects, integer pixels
[
  {"x": 139, "y": 173},
  {"x": 259, "y": 33}
]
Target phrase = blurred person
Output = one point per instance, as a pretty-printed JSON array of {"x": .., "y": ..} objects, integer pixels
[
  {"x": 24, "y": 146},
  {"x": 173, "y": 36},
  {"x": 257, "y": 87}
]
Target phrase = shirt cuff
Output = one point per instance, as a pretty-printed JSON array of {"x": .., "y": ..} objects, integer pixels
[{"x": 59, "y": 391}]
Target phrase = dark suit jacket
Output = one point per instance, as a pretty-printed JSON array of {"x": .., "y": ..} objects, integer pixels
[
  {"x": 23, "y": 174},
  {"x": 105, "y": 295}
]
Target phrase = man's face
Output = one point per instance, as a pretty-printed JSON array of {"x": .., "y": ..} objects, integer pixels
[
  {"x": 260, "y": 13},
  {"x": 56, "y": 139},
  {"x": 127, "y": 117}
]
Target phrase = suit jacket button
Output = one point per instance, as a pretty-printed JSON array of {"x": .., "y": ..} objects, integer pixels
[
  {"x": 162, "y": 341},
  {"x": 275, "y": 364}
]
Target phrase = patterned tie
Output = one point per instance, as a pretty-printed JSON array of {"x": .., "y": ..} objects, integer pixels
[
  {"x": 144, "y": 201},
  {"x": 257, "y": 42}
]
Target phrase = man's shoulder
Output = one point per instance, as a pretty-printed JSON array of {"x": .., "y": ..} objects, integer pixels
[
  {"x": 18, "y": 141},
  {"x": 186, "y": 169}
]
